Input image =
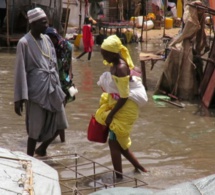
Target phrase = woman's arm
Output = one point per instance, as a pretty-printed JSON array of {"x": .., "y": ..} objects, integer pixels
[
  {"x": 117, "y": 107},
  {"x": 122, "y": 70}
]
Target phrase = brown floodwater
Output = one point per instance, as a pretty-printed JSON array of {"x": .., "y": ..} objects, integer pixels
[{"x": 174, "y": 144}]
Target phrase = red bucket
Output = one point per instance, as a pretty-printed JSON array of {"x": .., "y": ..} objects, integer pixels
[{"x": 96, "y": 131}]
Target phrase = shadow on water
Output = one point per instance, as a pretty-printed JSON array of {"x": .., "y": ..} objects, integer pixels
[{"x": 175, "y": 144}]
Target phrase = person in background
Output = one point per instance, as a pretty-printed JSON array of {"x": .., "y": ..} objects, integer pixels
[
  {"x": 137, "y": 11},
  {"x": 63, "y": 50},
  {"x": 101, "y": 14},
  {"x": 3, "y": 10},
  {"x": 157, "y": 7},
  {"x": 37, "y": 85},
  {"x": 172, "y": 7},
  {"x": 169, "y": 13},
  {"x": 116, "y": 110},
  {"x": 88, "y": 41}
]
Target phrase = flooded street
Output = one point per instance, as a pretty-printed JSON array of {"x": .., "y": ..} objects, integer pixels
[{"x": 174, "y": 144}]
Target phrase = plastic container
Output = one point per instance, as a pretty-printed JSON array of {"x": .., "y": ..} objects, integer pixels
[
  {"x": 168, "y": 23},
  {"x": 138, "y": 21},
  {"x": 149, "y": 24},
  {"x": 160, "y": 97},
  {"x": 97, "y": 132},
  {"x": 179, "y": 9}
]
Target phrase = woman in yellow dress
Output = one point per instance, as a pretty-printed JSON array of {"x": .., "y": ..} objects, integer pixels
[{"x": 116, "y": 110}]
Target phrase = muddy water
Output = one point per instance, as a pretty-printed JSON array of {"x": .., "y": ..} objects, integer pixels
[{"x": 175, "y": 144}]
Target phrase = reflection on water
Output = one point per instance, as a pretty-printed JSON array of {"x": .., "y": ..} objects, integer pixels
[{"x": 175, "y": 144}]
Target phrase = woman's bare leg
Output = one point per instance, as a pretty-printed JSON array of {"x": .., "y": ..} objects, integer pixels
[
  {"x": 115, "y": 151},
  {"x": 132, "y": 159},
  {"x": 81, "y": 55},
  {"x": 89, "y": 55}
]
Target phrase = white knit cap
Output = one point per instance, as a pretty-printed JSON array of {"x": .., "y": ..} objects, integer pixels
[{"x": 35, "y": 14}]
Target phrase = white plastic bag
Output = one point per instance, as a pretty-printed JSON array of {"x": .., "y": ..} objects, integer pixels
[{"x": 137, "y": 90}]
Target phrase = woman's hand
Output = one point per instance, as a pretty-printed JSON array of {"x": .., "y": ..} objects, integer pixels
[{"x": 118, "y": 105}]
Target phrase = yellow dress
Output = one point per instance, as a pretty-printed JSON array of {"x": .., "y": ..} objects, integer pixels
[{"x": 124, "y": 119}]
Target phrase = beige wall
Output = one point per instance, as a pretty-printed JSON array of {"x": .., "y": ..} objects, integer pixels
[{"x": 74, "y": 12}]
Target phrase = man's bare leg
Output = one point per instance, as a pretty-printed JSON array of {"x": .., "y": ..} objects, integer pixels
[
  {"x": 41, "y": 150},
  {"x": 62, "y": 135},
  {"x": 31, "y": 145}
]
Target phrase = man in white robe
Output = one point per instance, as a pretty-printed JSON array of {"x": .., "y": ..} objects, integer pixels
[{"x": 37, "y": 85}]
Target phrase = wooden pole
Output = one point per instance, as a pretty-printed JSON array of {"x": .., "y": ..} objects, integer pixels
[
  {"x": 66, "y": 19},
  {"x": 80, "y": 16},
  {"x": 164, "y": 11},
  {"x": 180, "y": 105},
  {"x": 141, "y": 36},
  {"x": 128, "y": 10},
  {"x": 50, "y": 4},
  {"x": 117, "y": 10},
  {"x": 146, "y": 7},
  {"x": 7, "y": 15}
]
